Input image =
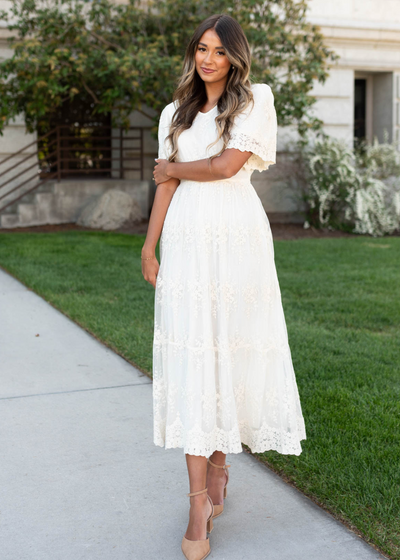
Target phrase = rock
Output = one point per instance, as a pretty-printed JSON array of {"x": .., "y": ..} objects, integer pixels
[{"x": 111, "y": 210}]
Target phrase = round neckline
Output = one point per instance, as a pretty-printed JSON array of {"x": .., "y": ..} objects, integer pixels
[{"x": 208, "y": 112}]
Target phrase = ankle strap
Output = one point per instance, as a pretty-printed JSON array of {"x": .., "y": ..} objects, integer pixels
[
  {"x": 218, "y": 466},
  {"x": 197, "y": 493}
]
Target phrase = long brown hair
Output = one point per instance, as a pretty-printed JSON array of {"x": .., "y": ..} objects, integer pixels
[{"x": 190, "y": 93}]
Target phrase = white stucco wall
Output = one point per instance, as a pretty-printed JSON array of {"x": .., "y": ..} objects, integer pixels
[
  {"x": 366, "y": 36},
  {"x": 356, "y": 11}
]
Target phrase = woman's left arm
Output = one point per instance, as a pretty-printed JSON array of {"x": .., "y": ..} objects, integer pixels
[{"x": 221, "y": 167}]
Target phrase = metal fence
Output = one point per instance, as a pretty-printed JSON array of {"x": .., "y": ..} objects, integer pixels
[{"x": 65, "y": 151}]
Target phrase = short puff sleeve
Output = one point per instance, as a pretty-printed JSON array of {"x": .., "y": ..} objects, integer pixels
[
  {"x": 164, "y": 146},
  {"x": 255, "y": 130}
]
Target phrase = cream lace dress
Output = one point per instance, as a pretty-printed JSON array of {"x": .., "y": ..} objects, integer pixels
[{"x": 222, "y": 366}]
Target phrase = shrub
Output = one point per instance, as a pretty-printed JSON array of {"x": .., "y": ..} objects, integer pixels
[
  {"x": 354, "y": 190},
  {"x": 382, "y": 160},
  {"x": 372, "y": 207},
  {"x": 329, "y": 180}
]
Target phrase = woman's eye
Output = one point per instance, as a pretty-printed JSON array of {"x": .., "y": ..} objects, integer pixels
[
  {"x": 202, "y": 49},
  {"x": 221, "y": 52}
]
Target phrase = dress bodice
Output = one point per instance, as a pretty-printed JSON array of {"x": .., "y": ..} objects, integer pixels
[
  {"x": 193, "y": 143},
  {"x": 254, "y": 130}
]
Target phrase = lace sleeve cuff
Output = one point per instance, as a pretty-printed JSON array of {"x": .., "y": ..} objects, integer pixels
[{"x": 264, "y": 154}]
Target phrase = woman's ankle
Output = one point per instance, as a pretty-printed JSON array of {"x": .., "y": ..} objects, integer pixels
[
  {"x": 198, "y": 501},
  {"x": 218, "y": 458}
]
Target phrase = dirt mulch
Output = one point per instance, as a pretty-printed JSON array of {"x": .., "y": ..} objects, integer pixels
[
  {"x": 297, "y": 231},
  {"x": 279, "y": 231}
]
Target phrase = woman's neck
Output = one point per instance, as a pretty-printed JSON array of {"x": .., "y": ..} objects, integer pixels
[{"x": 214, "y": 92}]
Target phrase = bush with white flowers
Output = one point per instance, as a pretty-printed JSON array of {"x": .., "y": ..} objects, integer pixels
[{"x": 354, "y": 190}]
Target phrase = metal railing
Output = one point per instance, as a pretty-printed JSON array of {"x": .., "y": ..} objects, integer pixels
[{"x": 53, "y": 158}]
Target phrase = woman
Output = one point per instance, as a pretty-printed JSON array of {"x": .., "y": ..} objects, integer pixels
[{"x": 222, "y": 367}]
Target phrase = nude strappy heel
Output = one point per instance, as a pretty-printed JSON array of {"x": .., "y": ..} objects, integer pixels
[
  {"x": 219, "y": 508},
  {"x": 198, "y": 550}
]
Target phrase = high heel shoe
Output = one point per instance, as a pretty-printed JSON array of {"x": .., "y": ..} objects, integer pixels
[
  {"x": 198, "y": 550},
  {"x": 219, "y": 508}
]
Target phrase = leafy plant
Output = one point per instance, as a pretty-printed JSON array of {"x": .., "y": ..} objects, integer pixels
[
  {"x": 371, "y": 207},
  {"x": 375, "y": 203},
  {"x": 355, "y": 190},
  {"x": 381, "y": 160},
  {"x": 329, "y": 180}
]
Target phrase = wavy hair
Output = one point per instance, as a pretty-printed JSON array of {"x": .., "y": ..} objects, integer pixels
[{"x": 190, "y": 93}]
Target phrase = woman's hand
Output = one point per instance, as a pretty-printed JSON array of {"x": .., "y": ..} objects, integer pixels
[
  {"x": 160, "y": 171},
  {"x": 150, "y": 270},
  {"x": 224, "y": 166}
]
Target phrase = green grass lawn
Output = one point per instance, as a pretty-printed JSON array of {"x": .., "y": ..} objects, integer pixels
[{"x": 342, "y": 304}]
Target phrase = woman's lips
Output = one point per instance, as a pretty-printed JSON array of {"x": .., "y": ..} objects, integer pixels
[{"x": 207, "y": 71}]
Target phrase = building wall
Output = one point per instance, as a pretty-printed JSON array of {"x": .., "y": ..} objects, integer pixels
[
  {"x": 362, "y": 12},
  {"x": 366, "y": 36}
]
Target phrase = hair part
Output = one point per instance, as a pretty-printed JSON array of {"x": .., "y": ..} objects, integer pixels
[{"x": 190, "y": 93}]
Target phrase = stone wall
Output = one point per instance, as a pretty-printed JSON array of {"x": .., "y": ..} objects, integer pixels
[{"x": 63, "y": 202}]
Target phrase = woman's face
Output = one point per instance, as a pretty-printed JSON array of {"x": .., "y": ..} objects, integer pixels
[{"x": 212, "y": 64}]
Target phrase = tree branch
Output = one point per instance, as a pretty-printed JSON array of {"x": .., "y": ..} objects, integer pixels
[
  {"x": 90, "y": 92},
  {"x": 102, "y": 40}
]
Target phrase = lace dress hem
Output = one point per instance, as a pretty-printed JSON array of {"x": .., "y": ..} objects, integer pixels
[{"x": 200, "y": 443}]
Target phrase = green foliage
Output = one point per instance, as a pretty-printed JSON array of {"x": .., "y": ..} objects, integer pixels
[
  {"x": 354, "y": 190},
  {"x": 125, "y": 56},
  {"x": 381, "y": 160},
  {"x": 329, "y": 178}
]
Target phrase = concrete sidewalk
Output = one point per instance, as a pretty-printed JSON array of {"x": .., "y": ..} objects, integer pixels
[{"x": 81, "y": 479}]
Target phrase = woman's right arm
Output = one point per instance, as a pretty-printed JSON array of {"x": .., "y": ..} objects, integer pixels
[{"x": 164, "y": 193}]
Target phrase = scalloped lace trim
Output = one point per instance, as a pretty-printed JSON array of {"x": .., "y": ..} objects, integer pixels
[
  {"x": 264, "y": 153},
  {"x": 200, "y": 442},
  {"x": 264, "y": 414}
]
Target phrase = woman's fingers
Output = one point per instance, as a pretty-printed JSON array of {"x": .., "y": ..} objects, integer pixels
[
  {"x": 160, "y": 177},
  {"x": 150, "y": 271},
  {"x": 151, "y": 279},
  {"x": 159, "y": 173}
]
